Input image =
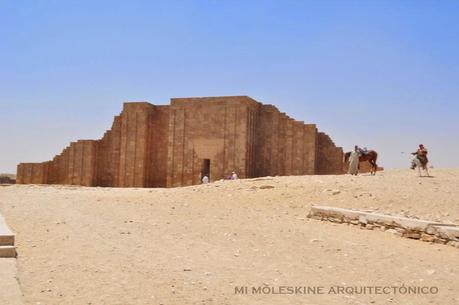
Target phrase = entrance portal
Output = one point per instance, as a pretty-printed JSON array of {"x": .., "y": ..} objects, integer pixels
[{"x": 205, "y": 168}]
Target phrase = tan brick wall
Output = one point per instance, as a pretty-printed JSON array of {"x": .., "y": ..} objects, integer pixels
[
  {"x": 156, "y": 175},
  {"x": 284, "y": 146},
  {"x": 32, "y": 173},
  {"x": 108, "y": 156},
  {"x": 330, "y": 157},
  {"x": 159, "y": 146},
  {"x": 310, "y": 156},
  {"x": 135, "y": 120},
  {"x": 218, "y": 129}
]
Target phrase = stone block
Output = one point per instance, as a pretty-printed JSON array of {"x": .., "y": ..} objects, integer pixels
[
  {"x": 7, "y": 248},
  {"x": 8, "y": 251},
  {"x": 425, "y": 230}
]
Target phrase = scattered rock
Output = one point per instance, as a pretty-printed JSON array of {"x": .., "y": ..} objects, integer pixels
[
  {"x": 430, "y": 271},
  {"x": 427, "y": 238},
  {"x": 394, "y": 232},
  {"x": 412, "y": 235},
  {"x": 264, "y": 187},
  {"x": 362, "y": 219}
]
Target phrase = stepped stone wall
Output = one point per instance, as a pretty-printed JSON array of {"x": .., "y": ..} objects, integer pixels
[{"x": 174, "y": 145}]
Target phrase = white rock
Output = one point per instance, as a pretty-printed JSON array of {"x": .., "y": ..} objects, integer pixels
[
  {"x": 430, "y": 271},
  {"x": 394, "y": 232},
  {"x": 363, "y": 219}
]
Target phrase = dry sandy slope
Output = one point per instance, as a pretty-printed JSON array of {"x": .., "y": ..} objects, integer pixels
[
  {"x": 132, "y": 246},
  {"x": 10, "y": 293}
]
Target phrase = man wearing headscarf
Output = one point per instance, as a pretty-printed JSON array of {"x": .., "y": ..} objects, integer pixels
[{"x": 421, "y": 155}]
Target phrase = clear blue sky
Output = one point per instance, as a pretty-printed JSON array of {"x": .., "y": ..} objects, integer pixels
[{"x": 381, "y": 74}]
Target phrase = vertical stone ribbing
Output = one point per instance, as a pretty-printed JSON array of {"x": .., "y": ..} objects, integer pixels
[
  {"x": 310, "y": 138},
  {"x": 157, "y": 146}
]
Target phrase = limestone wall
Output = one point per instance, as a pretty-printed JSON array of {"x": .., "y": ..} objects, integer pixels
[
  {"x": 167, "y": 146},
  {"x": 329, "y": 157},
  {"x": 135, "y": 120},
  {"x": 283, "y": 146},
  {"x": 157, "y": 150},
  {"x": 216, "y": 129}
]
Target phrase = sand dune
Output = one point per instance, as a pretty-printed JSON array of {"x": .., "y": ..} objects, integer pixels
[{"x": 194, "y": 245}]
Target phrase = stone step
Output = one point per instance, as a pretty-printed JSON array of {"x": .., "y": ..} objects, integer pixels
[
  {"x": 425, "y": 230},
  {"x": 8, "y": 251},
  {"x": 6, "y": 240},
  {"x": 6, "y": 235},
  {"x": 319, "y": 212}
]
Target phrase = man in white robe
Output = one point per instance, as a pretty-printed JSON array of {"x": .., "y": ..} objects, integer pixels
[{"x": 354, "y": 162}]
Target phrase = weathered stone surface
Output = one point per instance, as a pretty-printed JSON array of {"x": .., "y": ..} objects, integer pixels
[
  {"x": 412, "y": 235},
  {"x": 7, "y": 251},
  {"x": 431, "y": 230},
  {"x": 394, "y": 232},
  {"x": 7, "y": 248},
  {"x": 363, "y": 219},
  {"x": 407, "y": 223},
  {"x": 449, "y": 232},
  {"x": 168, "y": 146},
  {"x": 427, "y": 238},
  {"x": 6, "y": 235},
  {"x": 424, "y": 230},
  {"x": 318, "y": 210}
]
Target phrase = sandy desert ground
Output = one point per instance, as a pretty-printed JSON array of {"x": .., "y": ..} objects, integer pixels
[{"x": 194, "y": 245}]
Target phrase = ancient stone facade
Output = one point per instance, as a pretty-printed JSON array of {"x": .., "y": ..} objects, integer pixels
[{"x": 174, "y": 145}]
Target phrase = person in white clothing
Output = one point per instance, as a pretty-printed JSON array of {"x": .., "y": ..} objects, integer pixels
[
  {"x": 205, "y": 179},
  {"x": 354, "y": 161}
]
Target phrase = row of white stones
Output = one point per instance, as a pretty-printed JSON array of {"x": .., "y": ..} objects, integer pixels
[{"x": 428, "y": 231}]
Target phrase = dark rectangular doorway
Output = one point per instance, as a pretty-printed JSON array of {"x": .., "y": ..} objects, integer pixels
[{"x": 205, "y": 168}]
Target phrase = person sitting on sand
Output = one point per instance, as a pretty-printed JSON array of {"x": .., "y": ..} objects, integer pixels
[{"x": 234, "y": 176}]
